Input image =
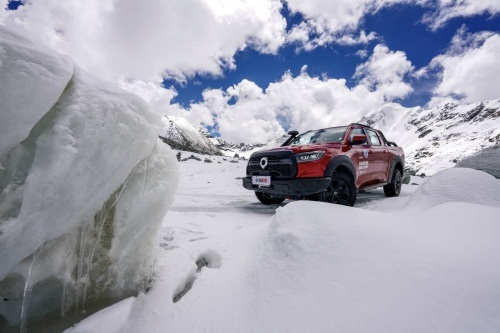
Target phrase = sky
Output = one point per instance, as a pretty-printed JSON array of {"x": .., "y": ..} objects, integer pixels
[{"x": 250, "y": 70}]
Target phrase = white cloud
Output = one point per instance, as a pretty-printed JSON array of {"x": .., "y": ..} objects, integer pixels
[
  {"x": 470, "y": 70},
  {"x": 340, "y": 22},
  {"x": 385, "y": 71},
  {"x": 247, "y": 113},
  {"x": 146, "y": 40},
  {"x": 362, "y": 53},
  {"x": 449, "y": 9},
  {"x": 155, "y": 94},
  {"x": 329, "y": 22}
]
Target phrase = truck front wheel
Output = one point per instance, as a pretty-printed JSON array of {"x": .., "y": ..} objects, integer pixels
[
  {"x": 267, "y": 199},
  {"x": 341, "y": 190}
]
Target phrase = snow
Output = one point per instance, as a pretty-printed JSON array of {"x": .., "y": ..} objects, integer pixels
[
  {"x": 84, "y": 182},
  {"x": 109, "y": 318},
  {"x": 457, "y": 185},
  {"x": 316, "y": 267}
]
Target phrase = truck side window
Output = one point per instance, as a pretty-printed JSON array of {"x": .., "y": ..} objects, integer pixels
[
  {"x": 374, "y": 140},
  {"x": 358, "y": 131}
]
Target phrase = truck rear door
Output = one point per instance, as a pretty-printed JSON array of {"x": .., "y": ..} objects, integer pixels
[{"x": 380, "y": 157}]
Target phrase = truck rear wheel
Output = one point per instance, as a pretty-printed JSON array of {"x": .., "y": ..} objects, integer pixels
[
  {"x": 394, "y": 187},
  {"x": 267, "y": 199},
  {"x": 341, "y": 190}
]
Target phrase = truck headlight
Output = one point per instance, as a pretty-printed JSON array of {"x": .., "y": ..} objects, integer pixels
[{"x": 310, "y": 156}]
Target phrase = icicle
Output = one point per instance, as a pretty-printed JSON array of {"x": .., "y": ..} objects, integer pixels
[
  {"x": 100, "y": 225},
  {"x": 101, "y": 220},
  {"x": 81, "y": 258},
  {"x": 36, "y": 261},
  {"x": 63, "y": 299},
  {"x": 145, "y": 177}
]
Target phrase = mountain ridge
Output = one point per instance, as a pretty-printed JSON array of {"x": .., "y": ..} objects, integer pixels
[
  {"x": 437, "y": 138},
  {"x": 182, "y": 135},
  {"x": 433, "y": 139}
]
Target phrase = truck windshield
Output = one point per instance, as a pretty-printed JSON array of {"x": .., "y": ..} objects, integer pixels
[{"x": 333, "y": 134}]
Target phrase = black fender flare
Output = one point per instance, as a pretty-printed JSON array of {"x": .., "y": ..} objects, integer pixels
[
  {"x": 338, "y": 161},
  {"x": 395, "y": 160}
]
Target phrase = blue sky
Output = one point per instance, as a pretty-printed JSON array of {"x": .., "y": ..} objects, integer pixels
[
  {"x": 249, "y": 70},
  {"x": 399, "y": 27}
]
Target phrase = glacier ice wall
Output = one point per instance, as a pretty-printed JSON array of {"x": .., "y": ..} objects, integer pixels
[
  {"x": 84, "y": 185},
  {"x": 36, "y": 78}
]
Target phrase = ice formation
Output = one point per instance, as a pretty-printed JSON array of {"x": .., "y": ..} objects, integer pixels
[{"x": 84, "y": 185}]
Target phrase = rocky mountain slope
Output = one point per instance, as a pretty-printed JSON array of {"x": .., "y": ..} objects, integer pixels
[
  {"x": 440, "y": 137},
  {"x": 182, "y": 135}
]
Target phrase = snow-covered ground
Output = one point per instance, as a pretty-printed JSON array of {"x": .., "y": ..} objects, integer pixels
[{"x": 426, "y": 261}]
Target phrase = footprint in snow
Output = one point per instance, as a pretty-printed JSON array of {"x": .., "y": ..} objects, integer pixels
[{"x": 209, "y": 259}]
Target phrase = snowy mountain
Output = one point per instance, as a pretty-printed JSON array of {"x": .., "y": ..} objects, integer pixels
[
  {"x": 231, "y": 149},
  {"x": 182, "y": 135},
  {"x": 440, "y": 137},
  {"x": 433, "y": 139}
]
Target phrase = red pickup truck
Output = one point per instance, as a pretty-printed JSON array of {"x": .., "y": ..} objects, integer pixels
[{"x": 329, "y": 164}]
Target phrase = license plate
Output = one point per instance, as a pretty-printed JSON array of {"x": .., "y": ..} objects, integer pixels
[{"x": 261, "y": 180}]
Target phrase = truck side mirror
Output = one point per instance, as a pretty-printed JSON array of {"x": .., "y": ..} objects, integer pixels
[{"x": 358, "y": 140}]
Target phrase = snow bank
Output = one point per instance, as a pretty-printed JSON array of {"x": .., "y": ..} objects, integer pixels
[
  {"x": 84, "y": 184},
  {"x": 316, "y": 267},
  {"x": 327, "y": 268},
  {"x": 109, "y": 320},
  {"x": 457, "y": 185}
]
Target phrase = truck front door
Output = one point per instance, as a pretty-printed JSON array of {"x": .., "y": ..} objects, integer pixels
[{"x": 362, "y": 159}]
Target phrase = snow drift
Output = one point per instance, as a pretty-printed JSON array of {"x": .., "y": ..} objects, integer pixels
[
  {"x": 84, "y": 184},
  {"x": 457, "y": 185},
  {"x": 317, "y": 267}
]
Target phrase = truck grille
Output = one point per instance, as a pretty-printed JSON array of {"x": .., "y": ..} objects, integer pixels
[{"x": 280, "y": 165}]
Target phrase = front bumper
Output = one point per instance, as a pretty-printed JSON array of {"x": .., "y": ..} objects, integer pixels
[{"x": 297, "y": 186}]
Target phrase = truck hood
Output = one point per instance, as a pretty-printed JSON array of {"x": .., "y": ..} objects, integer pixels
[{"x": 303, "y": 148}]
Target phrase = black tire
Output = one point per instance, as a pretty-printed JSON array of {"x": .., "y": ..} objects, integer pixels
[
  {"x": 394, "y": 187},
  {"x": 267, "y": 199},
  {"x": 341, "y": 190}
]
